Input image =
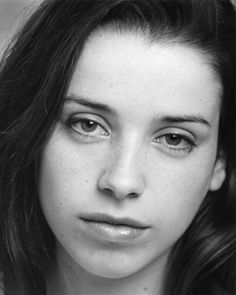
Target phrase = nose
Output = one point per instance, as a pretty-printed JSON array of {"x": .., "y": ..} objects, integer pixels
[{"x": 122, "y": 177}]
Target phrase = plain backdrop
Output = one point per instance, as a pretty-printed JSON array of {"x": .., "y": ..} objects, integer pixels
[{"x": 12, "y": 15}]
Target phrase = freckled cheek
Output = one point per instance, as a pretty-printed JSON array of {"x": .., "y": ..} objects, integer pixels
[
  {"x": 80, "y": 171},
  {"x": 175, "y": 194},
  {"x": 68, "y": 174}
]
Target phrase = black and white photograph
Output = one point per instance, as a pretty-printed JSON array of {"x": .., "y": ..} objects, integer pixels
[{"x": 117, "y": 147}]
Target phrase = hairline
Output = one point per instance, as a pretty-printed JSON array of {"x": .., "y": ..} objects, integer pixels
[{"x": 165, "y": 38}]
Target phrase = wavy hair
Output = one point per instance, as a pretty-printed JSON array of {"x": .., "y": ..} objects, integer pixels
[{"x": 35, "y": 74}]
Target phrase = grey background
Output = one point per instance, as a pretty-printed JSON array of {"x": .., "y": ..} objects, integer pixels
[{"x": 12, "y": 15}]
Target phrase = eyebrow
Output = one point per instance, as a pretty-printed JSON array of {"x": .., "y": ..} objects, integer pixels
[
  {"x": 90, "y": 103},
  {"x": 87, "y": 102},
  {"x": 186, "y": 118}
]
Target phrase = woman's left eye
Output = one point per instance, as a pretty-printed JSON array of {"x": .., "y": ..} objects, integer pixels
[
  {"x": 87, "y": 128},
  {"x": 175, "y": 142}
]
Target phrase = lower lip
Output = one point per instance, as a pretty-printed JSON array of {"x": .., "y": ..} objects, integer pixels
[{"x": 113, "y": 233}]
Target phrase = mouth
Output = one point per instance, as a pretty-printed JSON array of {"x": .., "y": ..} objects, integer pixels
[
  {"x": 107, "y": 219},
  {"x": 106, "y": 227}
]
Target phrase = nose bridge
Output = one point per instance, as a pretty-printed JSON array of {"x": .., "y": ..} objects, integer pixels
[
  {"x": 125, "y": 160},
  {"x": 123, "y": 175}
]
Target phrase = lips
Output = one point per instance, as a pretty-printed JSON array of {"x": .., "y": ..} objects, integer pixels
[
  {"x": 106, "y": 228},
  {"x": 104, "y": 218}
]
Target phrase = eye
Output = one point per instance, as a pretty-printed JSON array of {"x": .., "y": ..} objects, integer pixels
[
  {"x": 176, "y": 143},
  {"x": 88, "y": 125},
  {"x": 86, "y": 128},
  {"x": 173, "y": 139}
]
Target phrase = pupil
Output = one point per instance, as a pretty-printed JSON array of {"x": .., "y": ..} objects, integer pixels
[
  {"x": 173, "y": 139},
  {"x": 88, "y": 126}
]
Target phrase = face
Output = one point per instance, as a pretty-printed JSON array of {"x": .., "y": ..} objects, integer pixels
[{"x": 133, "y": 154}]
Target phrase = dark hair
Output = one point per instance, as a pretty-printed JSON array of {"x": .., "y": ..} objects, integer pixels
[{"x": 34, "y": 78}]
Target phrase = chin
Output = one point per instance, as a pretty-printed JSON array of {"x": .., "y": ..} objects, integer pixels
[
  {"x": 112, "y": 269},
  {"x": 111, "y": 273}
]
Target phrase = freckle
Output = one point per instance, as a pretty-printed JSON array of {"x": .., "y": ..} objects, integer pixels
[
  {"x": 111, "y": 85},
  {"x": 145, "y": 289}
]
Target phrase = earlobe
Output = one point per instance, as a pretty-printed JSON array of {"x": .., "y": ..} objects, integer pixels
[{"x": 219, "y": 174}]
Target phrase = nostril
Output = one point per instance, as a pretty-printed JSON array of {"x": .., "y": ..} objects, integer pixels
[
  {"x": 133, "y": 195},
  {"x": 109, "y": 191}
]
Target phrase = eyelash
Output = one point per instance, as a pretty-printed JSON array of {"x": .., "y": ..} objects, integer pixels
[
  {"x": 186, "y": 149},
  {"x": 71, "y": 122}
]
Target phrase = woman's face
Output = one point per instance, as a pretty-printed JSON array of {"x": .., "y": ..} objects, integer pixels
[{"x": 133, "y": 154}]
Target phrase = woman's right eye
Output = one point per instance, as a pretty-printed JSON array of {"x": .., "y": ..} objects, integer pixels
[{"x": 87, "y": 128}]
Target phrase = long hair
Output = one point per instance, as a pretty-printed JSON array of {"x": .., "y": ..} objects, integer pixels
[{"x": 35, "y": 75}]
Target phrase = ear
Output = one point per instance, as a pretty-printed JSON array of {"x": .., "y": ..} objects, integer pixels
[{"x": 218, "y": 175}]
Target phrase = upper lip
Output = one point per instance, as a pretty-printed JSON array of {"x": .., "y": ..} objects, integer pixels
[{"x": 105, "y": 218}]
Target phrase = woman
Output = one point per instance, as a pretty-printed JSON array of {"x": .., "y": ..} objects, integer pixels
[{"x": 118, "y": 149}]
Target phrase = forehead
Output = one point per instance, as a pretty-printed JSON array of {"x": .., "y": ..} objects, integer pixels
[{"x": 123, "y": 69}]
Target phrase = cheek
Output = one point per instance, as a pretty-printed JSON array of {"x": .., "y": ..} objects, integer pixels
[
  {"x": 66, "y": 178},
  {"x": 176, "y": 191}
]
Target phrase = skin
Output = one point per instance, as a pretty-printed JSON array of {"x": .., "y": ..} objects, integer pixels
[{"x": 127, "y": 164}]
